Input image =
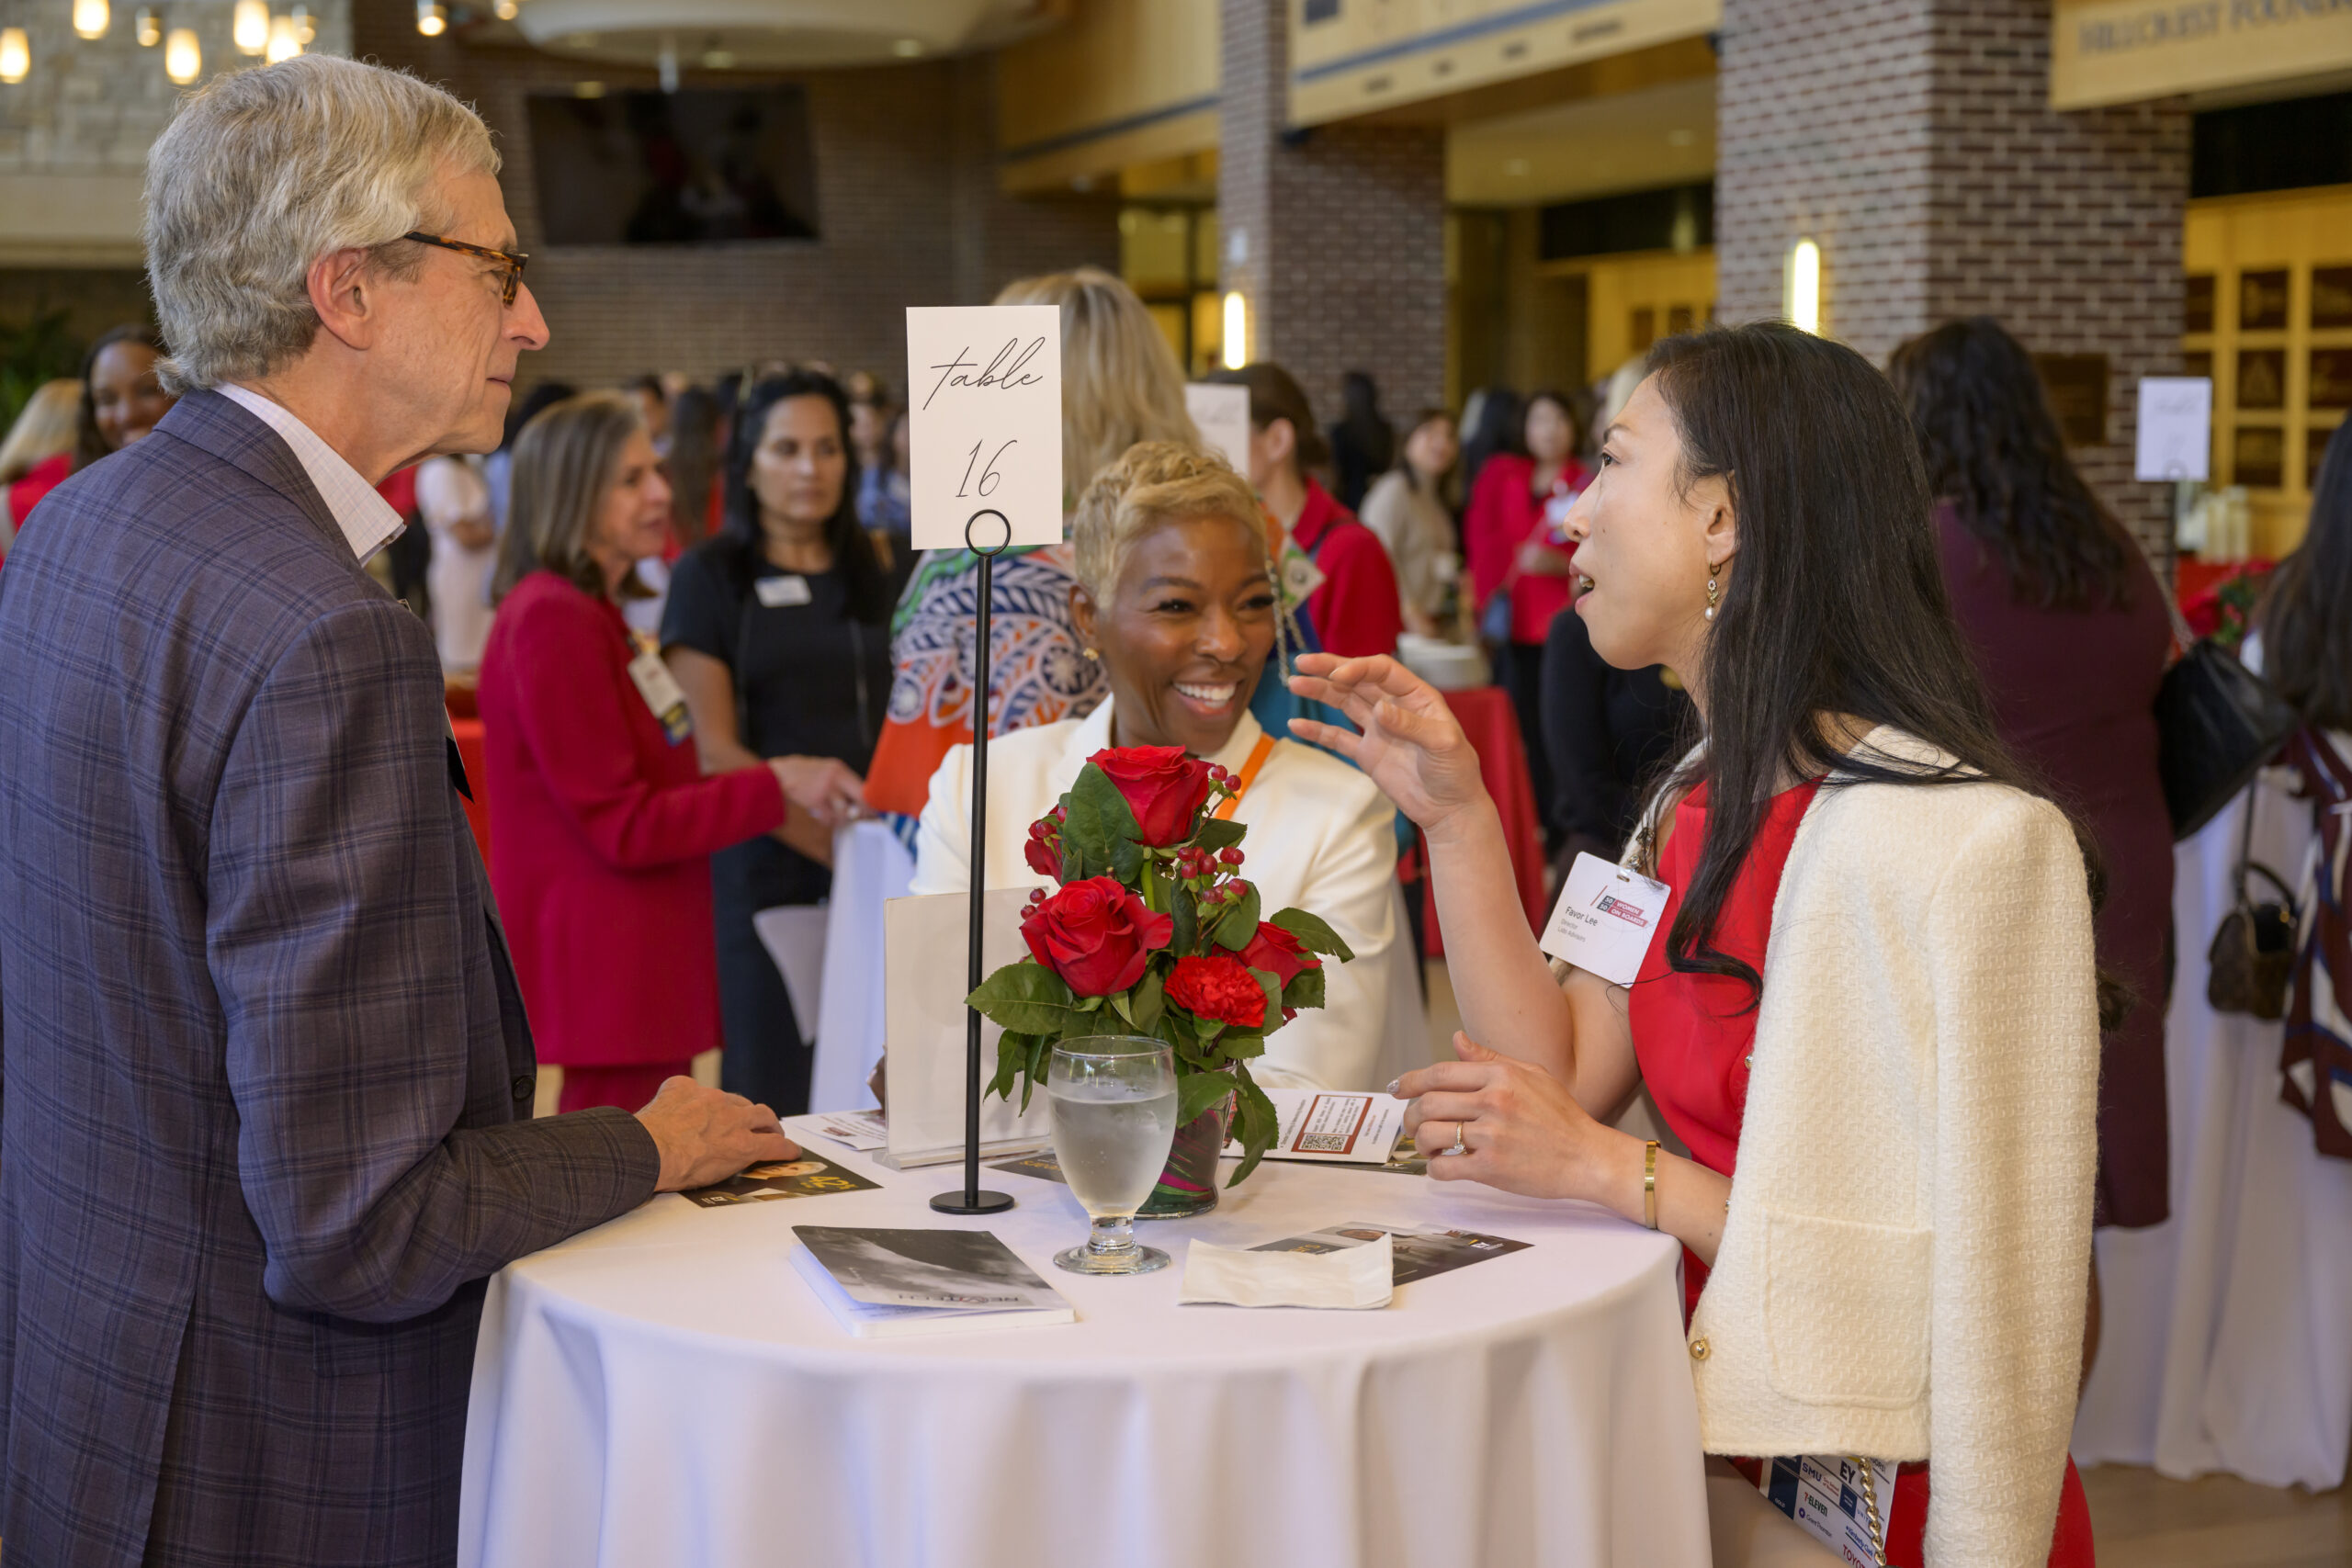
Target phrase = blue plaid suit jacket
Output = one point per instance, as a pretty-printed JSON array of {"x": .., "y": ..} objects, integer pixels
[{"x": 264, "y": 1078}]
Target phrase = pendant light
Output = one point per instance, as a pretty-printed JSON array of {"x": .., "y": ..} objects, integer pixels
[
  {"x": 15, "y": 55},
  {"x": 147, "y": 26},
  {"x": 250, "y": 28},
  {"x": 91, "y": 18},
  {"x": 285, "y": 39},
  {"x": 183, "y": 56},
  {"x": 432, "y": 17}
]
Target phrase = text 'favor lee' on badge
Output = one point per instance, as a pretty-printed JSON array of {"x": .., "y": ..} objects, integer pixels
[
  {"x": 1606, "y": 920},
  {"x": 984, "y": 407}
]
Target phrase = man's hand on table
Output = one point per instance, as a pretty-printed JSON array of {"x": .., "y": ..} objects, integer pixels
[{"x": 706, "y": 1135}]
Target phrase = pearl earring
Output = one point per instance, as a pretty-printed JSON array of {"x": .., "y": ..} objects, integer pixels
[{"x": 1712, "y": 593}]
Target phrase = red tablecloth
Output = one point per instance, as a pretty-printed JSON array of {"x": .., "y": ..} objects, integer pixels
[
  {"x": 469, "y": 734},
  {"x": 1486, "y": 716}
]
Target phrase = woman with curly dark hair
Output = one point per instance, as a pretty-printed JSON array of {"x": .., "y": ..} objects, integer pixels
[{"x": 2067, "y": 624}]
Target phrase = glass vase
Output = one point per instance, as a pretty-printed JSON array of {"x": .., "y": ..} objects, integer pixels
[{"x": 1188, "y": 1185}]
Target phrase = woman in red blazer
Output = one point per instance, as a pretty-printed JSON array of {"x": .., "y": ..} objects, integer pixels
[
  {"x": 1513, "y": 536},
  {"x": 605, "y": 824}
]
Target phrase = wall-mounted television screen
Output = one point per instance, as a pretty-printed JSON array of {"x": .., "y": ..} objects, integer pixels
[{"x": 687, "y": 168}]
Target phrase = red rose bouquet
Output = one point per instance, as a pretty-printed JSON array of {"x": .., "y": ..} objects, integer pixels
[{"x": 1152, "y": 932}]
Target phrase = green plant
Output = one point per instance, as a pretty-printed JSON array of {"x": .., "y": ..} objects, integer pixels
[{"x": 40, "y": 350}]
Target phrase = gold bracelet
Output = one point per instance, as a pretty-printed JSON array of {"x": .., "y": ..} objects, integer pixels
[{"x": 1649, "y": 1184}]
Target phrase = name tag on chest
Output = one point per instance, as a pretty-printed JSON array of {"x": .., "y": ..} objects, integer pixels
[
  {"x": 1606, "y": 920},
  {"x": 782, "y": 592},
  {"x": 661, "y": 696}
]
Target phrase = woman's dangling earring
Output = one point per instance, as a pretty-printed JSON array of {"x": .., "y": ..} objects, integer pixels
[
  {"x": 1712, "y": 594},
  {"x": 1094, "y": 657}
]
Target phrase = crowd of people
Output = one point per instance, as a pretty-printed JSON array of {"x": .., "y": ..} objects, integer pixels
[{"x": 1844, "y": 658}]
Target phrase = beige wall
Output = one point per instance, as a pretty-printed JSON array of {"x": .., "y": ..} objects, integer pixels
[{"x": 1084, "y": 100}]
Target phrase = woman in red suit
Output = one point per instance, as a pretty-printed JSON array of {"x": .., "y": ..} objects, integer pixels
[
  {"x": 1514, "y": 538},
  {"x": 606, "y": 823}
]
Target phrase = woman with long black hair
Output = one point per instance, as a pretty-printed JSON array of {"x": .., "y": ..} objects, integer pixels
[
  {"x": 1863, "y": 991},
  {"x": 2067, "y": 625},
  {"x": 777, "y": 629}
]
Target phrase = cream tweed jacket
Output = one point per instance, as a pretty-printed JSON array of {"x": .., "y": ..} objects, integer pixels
[{"x": 1905, "y": 1262}]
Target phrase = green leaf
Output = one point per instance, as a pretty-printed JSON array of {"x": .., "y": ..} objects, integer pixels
[
  {"x": 1312, "y": 935},
  {"x": 1239, "y": 922},
  {"x": 1217, "y": 834},
  {"x": 1186, "y": 939},
  {"x": 1199, "y": 1093},
  {"x": 1026, "y": 997},
  {"x": 1126, "y": 862},
  {"x": 1241, "y": 1045},
  {"x": 1104, "y": 805},
  {"x": 1086, "y": 841},
  {"x": 1304, "y": 991},
  {"x": 1119, "y": 1003},
  {"x": 1208, "y": 1029},
  {"x": 1148, "y": 1000},
  {"x": 1011, "y": 1058},
  {"x": 1041, "y": 1052},
  {"x": 1255, "y": 1121}
]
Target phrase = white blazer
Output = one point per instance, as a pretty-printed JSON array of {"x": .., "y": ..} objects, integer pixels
[
  {"x": 1906, "y": 1257},
  {"x": 1322, "y": 838}
]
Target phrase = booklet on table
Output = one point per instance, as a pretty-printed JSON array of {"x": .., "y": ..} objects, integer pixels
[
  {"x": 880, "y": 1283},
  {"x": 811, "y": 1175},
  {"x": 1419, "y": 1250},
  {"x": 1331, "y": 1126}
]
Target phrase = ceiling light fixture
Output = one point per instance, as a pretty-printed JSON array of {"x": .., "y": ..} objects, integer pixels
[
  {"x": 15, "y": 55},
  {"x": 250, "y": 28},
  {"x": 432, "y": 17},
  {"x": 183, "y": 56},
  {"x": 147, "y": 26},
  {"x": 505, "y": 9},
  {"x": 285, "y": 39},
  {"x": 1237, "y": 331},
  {"x": 91, "y": 18}
]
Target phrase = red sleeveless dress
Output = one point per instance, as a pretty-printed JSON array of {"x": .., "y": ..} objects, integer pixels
[{"x": 1693, "y": 1035}]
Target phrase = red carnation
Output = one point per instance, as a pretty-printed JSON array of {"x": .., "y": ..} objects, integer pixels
[
  {"x": 1279, "y": 953},
  {"x": 1095, "y": 935},
  {"x": 1164, "y": 787},
  {"x": 1220, "y": 988}
]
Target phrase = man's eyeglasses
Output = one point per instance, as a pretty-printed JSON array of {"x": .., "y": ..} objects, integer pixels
[{"x": 512, "y": 260}]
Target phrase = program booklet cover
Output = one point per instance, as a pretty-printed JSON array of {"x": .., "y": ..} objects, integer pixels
[
  {"x": 811, "y": 1175},
  {"x": 1421, "y": 1250},
  {"x": 955, "y": 1270}
]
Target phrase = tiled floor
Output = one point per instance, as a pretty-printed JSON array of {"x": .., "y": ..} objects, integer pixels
[{"x": 2143, "y": 1520}]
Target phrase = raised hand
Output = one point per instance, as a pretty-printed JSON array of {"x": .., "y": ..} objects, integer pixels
[{"x": 1409, "y": 744}]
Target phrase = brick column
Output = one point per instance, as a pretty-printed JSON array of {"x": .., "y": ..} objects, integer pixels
[
  {"x": 1914, "y": 140},
  {"x": 1336, "y": 235}
]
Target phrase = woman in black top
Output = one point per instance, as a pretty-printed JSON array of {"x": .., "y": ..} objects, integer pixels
[{"x": 778, "y": 629}]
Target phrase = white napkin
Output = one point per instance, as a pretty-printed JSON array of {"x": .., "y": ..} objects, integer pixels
[{"x": 1355, "y": 1277}]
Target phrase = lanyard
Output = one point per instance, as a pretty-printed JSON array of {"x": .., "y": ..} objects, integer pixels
[{"x": 1258, "y": 756}]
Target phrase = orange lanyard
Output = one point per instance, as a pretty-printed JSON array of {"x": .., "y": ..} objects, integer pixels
[{"x": 1258, "y": 756}]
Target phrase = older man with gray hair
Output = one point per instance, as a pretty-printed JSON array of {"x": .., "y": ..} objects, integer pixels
[{"x": 268, "y": 1077}]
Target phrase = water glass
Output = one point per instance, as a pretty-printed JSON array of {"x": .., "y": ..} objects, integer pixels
[{"x": 1114, "y": 1118}]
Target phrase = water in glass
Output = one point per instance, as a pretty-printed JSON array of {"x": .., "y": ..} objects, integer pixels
[{"x": 1114, "y": 1118}]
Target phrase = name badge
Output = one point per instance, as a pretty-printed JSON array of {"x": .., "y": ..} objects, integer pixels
[
  {"x": 661, "y": 696},
  {"x": 778, "y": 593},
  {"x": 1606, "y": 920},
  {"x": 1844, "y": 1502}
]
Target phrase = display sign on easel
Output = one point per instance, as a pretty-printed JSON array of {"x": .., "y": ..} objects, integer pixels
[
  {"x": 2176, "y": 428},
  {"x": 984, "y": 401},
  {"x": 984, "y": 413},
  {"x": 1221, "y": 413}
]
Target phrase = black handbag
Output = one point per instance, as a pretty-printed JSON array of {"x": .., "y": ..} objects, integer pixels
[
  {"x": 2217, "y": 723},
  {"x": 2252, "y": 957}
]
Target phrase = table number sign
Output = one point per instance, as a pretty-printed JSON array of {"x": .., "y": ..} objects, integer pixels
[
  {"x": 2176, "y": 428},
  {"x": 984, "y": 422},
  {"x": 1221, "y": 413}
]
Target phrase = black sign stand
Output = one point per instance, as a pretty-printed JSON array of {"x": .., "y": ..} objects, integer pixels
[{"x": 971, "y": 1199}]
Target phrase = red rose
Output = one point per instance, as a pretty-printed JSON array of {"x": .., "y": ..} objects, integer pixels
[
  {"x": 1278, "y": 952},
  {"x": 1095, "y": 935},
  {"x": 1164, "y": 789},
  {"x": 1220, "y": 988}
]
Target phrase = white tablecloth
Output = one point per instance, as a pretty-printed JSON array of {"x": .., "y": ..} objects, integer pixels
[
  {"x": 665, "y": 1389},
  {"x": 2226, "y": 1342}
]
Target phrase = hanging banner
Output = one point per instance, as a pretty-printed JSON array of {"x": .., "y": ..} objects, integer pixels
[{"x": 984, "y": 424}]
